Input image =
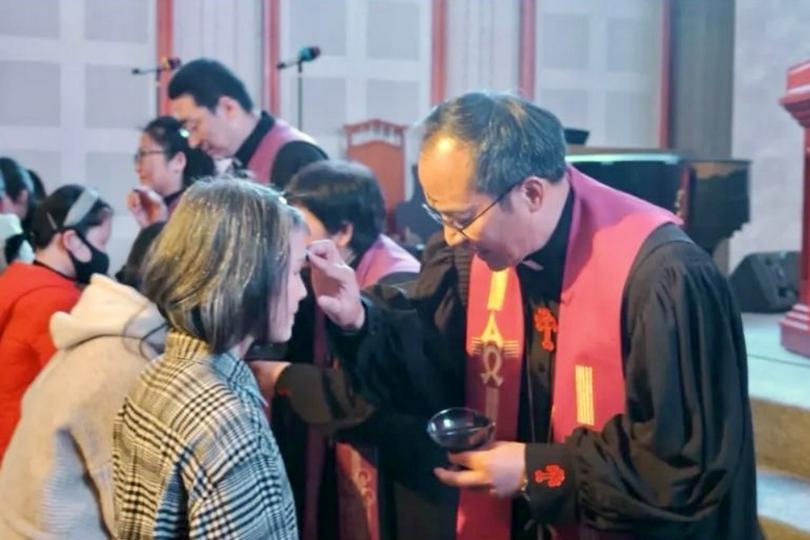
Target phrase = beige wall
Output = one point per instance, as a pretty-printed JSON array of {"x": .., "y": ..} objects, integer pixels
[
  {"x": 597, "y": 63},
  {"x": 599, "y": 66},
  {"x": 482, "y": 45},
  {"x": 227, "y": 30},
  {"x": 375, "y": 63},
  {"x": 770, "y": 37},
  {"x": 69, "y": 107}
]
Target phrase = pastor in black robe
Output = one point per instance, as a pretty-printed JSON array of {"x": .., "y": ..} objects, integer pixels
[{"x": 679, "y": 463}]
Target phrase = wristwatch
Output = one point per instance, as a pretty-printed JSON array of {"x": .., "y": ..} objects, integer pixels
[{"x": 524, "y": 487}]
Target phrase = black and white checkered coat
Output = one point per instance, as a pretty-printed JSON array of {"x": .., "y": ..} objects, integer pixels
[{"x": 194, "y": 455}]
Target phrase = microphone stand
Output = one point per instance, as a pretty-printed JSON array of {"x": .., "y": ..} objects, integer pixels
[
  {"x": 299, "y": 63},
  {"x": 300, "y": 78},
  {"x": 162, "y": 74}
]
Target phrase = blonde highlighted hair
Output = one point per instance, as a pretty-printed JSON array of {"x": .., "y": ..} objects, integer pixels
[{"x": 221, "y": 260}]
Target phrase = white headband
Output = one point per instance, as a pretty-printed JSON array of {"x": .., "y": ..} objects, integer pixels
[{"x": 79, "y": 209}]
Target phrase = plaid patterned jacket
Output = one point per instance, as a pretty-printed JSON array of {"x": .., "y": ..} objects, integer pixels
[{"x": 193, "y": 454}]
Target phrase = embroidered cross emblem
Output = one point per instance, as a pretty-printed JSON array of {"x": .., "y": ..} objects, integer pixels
[
  {"x": 492, "y": 358},
  {"x": 546, "y": 325},
  {"x": 553, "y": 474}
]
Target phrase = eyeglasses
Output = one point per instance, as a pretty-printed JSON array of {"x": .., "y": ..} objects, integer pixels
[
  {"x": 455, "y": 225},
  {"x": 140, "y": 154}
]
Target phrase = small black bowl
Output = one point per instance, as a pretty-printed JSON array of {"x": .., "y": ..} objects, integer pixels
[{"x": 459, "y": 429}]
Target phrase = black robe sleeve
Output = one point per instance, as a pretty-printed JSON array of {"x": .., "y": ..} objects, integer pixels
[
  {"x": 407, "y": 356},
  {"x": 385, "y": 394},
  {"x": 684, "y": 446}
]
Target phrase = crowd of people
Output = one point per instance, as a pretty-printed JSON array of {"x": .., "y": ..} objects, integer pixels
[{"x": 265, "y": 363}]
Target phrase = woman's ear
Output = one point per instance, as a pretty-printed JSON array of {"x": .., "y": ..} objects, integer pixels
[
  {"x": 19, "y": 205},
  {"x": 5, "y": 203},
  {"x": 69, "y": 240},
  {"x": 178, "y": 162},
  {"x": 344, "y": 236}
]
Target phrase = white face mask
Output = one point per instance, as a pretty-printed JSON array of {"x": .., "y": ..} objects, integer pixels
[
  {"x": 9, "y": 225},
  {"x": 10, "y": 231}
]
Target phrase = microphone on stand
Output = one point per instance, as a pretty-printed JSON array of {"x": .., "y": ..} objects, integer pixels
[
  {"x": 166, "y": 64},
  {"x": 306, "y": 54}
]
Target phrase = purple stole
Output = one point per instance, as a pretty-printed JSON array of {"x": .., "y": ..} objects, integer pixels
[
  {"x": 607, "y": 230},
  {"x": 495, "y": 345},
  {"x": 357, "y": 477},
  {"x": 384, "y": 258},
  {"x": 263, "y": 159}
]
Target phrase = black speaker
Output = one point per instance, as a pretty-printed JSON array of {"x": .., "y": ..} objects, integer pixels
[{"x": 767, "y": 282}]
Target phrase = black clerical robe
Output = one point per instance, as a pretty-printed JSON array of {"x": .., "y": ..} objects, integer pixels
[
  {"x": 679, "y": 463},
  {"x": 307, "y": 397}
]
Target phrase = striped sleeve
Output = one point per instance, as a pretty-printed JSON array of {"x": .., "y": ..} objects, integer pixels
[{"x": 247, "y": 502}]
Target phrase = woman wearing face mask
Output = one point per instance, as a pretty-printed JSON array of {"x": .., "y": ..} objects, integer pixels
[
  {"x": 166, "y": 165},
  {"x": 16, "y": 205},
  {"x": 19, "y": 194},
  {"x": 70, "y": 231},
  {"x": 56, "y": 478}
]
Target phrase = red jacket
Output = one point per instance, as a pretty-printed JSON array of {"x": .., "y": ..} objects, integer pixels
[{"x": 29, "y": 295}]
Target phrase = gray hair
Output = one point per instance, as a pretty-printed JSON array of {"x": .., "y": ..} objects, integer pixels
[
  {"x": 223, "y": 255},
  {"x": 511, "y": 138}
]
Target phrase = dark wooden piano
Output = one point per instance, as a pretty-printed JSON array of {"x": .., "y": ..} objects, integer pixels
[{"x": 711, "y": 196}]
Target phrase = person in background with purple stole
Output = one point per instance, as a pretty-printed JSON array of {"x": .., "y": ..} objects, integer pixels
[
  {"x": 605, "y": 345},
  {"x": 342, "y": 201},
  {"x": 214, "y": 106},
  {"x": 341, "y": 490}
]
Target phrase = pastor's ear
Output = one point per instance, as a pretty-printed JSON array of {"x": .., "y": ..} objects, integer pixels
[{"x": 533, "y": 190}]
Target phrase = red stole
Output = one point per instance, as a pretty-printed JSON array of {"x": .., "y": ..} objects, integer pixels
[
  {"x": 357, "y": 476},
  {"x": 607, "y": 230},
  {"x": 262, "y": 161},
  {"x": 495, "y": 334},
  {"x": 315, "y": 441}
]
